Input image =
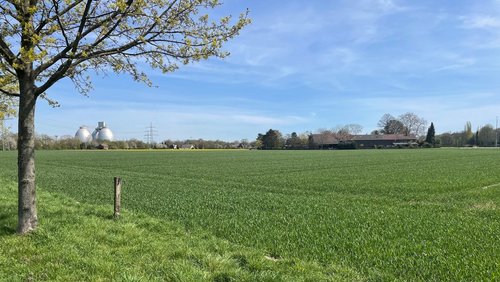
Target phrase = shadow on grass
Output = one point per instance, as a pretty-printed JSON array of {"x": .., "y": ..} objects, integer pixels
[{"x": 7, "y": 220}]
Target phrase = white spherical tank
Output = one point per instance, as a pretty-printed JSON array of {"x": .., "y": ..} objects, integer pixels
[
  {"x": 94, "y": 134},
  {"x": 104, "y": 134},
  {"x": 83, "y": 134}
]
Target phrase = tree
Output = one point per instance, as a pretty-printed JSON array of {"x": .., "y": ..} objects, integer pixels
[
  {"x": 351, "y": 129},
  {"x": 413, "y": 124},
  {"x": 446, "y": 139},
  {"x": 259, "y": 141},
  {"x": 390, "y": 125},
  {"x": 468, "y": 134},
  {"x": 42, "y": 42},
  {"x": 394, "y": 127},
  {"x": 384, "y": 121},
  {"x": 342, "y": 133},
  {"x": 8, "y": 103},
  {"x": 310, "y": 142},
  {"x": 324, "y": 134},
  {"x": 295, "y": 142},
  {"x": 7, "y": 110},
  {"x": 486, "y": 136},
  {"x": 7, "y": 107},
  {"x": 431, "y": 135},
  {"x": 271, "y": 140}
]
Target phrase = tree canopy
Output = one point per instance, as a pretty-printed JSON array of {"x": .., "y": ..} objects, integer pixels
[
  {"x": 413, "y": 124},
  {"x": 407, "y": 124},
  {"x": 7, "y": 107},
  {"x": 7, "y": 103},
  {"x": 431, "y": 135},
  {"x": 390, "y": 125},
  {"x": 42, "y": 42},
  {"x": 55, "y": 39},
  {"x": 273, "y": 139}
]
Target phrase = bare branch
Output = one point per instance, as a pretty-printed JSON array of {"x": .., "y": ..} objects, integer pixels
[
  {"x": 8, "y": 93},
  {"x": 7, "y": 53}
]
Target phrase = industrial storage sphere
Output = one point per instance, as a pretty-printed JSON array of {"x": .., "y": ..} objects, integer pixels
[
  {"x": 105, "y": 134},
  {"x": 83, "y": 134}
]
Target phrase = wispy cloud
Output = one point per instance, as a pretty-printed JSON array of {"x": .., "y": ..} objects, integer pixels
[
  {"x": 344, "y": 61},
  {"x": 268, "y": 121},
  {"x": 480, "y": 21},
  {"x": 449, "y": 111},
  {"x": 388, "y": 5},
  {"x": 452, "y": 61}
]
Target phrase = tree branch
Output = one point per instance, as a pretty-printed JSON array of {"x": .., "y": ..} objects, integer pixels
[
  {"x": 81, "y": 34},
  {"x": 7, "y": 12},
  {"x": 147, "y": 38},
  {"x": 113, "y": 28},
  {"x": 56, "y": 76},
  {"x": 7, "y": 53},
  {"x": 61, "y": 13},
  {"x": 8, "y": 93},
  {"x": 58, "y": 19}
]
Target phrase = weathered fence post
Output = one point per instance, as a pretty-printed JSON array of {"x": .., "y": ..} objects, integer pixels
[{"x": 118, "y": 192}]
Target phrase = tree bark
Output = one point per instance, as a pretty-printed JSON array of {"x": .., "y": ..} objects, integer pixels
[{"x": 27, "y": 213}]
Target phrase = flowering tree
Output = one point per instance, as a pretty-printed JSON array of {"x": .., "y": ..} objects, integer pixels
[{"x": 42, "y": 42}]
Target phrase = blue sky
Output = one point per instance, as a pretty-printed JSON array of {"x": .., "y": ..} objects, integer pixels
[{"x": 304, "y": 65}]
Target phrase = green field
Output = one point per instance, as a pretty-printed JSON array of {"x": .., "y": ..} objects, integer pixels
[{"x": 384, "y": 214}]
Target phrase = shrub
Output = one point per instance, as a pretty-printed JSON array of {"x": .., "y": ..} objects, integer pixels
[
  {"x": 427, "y": 145},
  {"x": 347, "y": 146}
]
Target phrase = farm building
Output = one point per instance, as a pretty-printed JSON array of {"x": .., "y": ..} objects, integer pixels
[
  {"x": 324, "y": 141},
  {"x": 188, "y": 146},
  {"x": 368, "y": 141},
  {"x": 384, "y": 140}
]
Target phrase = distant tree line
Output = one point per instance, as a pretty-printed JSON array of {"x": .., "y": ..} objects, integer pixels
[
  {"x": 204, "y": 144},
  {"x": 484, "y": 136},
  {"x": 407, "y": 124},
  {"x": 68, "y": 142},
  {"x": 273, "y": 139}
]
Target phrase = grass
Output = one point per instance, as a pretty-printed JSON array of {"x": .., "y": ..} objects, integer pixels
[
  {"x": 82, "y": 242},
  {"x": 375, "y": 214}
]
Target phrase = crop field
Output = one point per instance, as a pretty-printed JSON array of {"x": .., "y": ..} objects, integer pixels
[{"x": 384, "y": 214}]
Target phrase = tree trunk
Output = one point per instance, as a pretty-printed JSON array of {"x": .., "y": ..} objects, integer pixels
[{"x": 27, "y": 215}]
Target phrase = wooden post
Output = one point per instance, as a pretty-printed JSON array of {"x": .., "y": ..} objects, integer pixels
[{"x": 118, "y": 192}]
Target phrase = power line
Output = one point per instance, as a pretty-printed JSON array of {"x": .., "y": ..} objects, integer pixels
[{"x": 150, "y": 134}]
